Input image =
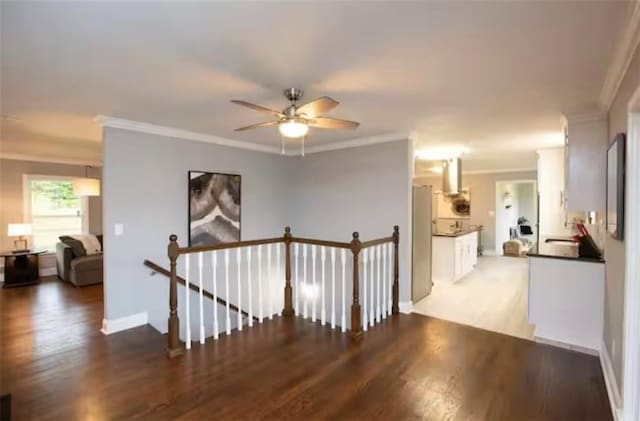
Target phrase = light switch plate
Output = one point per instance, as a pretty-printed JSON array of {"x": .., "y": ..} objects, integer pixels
[{"x": 118, "y": 229}]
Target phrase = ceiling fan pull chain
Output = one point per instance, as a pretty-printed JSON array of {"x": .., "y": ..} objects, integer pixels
[
  {"x": 283, "y": 152},
  {"x": 303, "y": 139}
]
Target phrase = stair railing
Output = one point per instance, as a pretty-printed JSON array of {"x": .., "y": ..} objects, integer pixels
[{"x": 380, "y": 286}]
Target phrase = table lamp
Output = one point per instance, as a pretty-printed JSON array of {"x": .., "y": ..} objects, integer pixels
[{"x": 19, "y": 230}]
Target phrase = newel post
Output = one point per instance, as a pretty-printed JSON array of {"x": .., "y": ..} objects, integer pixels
[
  {"x": 288, "y": 291},
  {"x": 356, "y": 317},
  {"x": 395, "y": 306},
  {"x": 174, "y": 347}
]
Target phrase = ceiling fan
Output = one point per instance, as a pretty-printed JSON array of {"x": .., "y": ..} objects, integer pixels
[{"x": 294, "y": 121}]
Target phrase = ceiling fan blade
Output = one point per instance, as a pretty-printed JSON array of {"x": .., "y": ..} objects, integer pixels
[
  {"x": 257, "y": 107},
  {"x": 317, "y": 107},
  {"x": 333, "y": 123},
  {"x": 257, "y": 126}
]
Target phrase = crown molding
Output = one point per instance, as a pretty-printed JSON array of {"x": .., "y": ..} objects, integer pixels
[
  {"x": 478, "y": 172},
  {"x": 357, "y": 142},
  {"x": 623, "y": 53},
  {"x": 137, "y": 126},
  {"x": 50, "y": 160},
  {"x": 585, "y": 117},
  {"x": 120, "y": 123}
]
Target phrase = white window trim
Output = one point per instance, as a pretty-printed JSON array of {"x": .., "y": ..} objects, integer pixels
[{"x": 26, "y": 200}]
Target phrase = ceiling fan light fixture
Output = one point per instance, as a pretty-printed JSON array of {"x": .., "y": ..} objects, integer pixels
[{"x": 293, "y": 129}]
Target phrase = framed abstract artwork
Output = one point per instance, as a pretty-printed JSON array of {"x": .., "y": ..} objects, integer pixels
[
  {"x": 616, "y": 186},
  {"x": 214, "y": 208}
]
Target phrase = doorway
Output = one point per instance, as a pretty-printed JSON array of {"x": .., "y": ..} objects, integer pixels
[{"x": 516, "y": 213}]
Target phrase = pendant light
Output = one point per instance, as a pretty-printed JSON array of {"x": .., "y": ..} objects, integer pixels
[{"x": 86, "y": 186}]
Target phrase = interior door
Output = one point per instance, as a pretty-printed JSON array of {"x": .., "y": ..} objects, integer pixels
[{"x": 421, "y": 250}]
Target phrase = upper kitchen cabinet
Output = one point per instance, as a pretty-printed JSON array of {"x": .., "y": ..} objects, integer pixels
[{"x": 585, "y": 161}]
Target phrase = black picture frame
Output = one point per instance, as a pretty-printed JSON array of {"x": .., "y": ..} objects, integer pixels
[
  {"x": 226, "y": 216},
  {"x": 615, "y": 183}
]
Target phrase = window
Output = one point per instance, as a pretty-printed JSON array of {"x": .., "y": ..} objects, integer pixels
[{"x": 53, "y": 210}]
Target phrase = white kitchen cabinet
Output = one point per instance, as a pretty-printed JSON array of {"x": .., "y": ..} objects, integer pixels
[
  {"x": 454, "y": 256},
  {"x": 585, "y": 162}
]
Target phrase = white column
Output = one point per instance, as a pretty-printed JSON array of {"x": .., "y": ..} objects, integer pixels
[
  {"x": 296, "y": 283},
  {"x": 239, "y": 281},
  {"x": 333, "y": 288},
  {"x": 187, "y": 263},
  {"x": 249, "y": 286},
  {"x": 378, "y": 311},
  {"x": 344, "y": 294},
  {"x": 214, "y": 268},
  {"x": 200, "y": 262},
  {"x": 226, "y": 285},
  {"x": 365, "y": 255},
  {"x": 323, "y": 260}
]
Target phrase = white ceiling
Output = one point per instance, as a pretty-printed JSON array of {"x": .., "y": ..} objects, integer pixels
[{"x": 492, "y": 76}]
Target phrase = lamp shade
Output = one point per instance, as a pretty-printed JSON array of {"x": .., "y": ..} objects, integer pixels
[
  {"x": 18, "y": 230},
  {"x": 86, "y": 187}
]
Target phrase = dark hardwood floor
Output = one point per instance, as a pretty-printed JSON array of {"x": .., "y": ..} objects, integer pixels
[{"x": 58, "y": 366}]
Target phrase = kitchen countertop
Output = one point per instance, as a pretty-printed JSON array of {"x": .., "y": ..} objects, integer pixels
[
  {"x": 454, "y": 234},
  {"x": 568, "y": 251}
]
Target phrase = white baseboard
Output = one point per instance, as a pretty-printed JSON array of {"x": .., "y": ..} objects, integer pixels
[
  {"x": 610, "y": 381},
  {"x": 405, "y": 307},
  {"x": 49, "y": 271},
  {"x": 566, "y": 345},
  {"x": 123, "y": 323}
]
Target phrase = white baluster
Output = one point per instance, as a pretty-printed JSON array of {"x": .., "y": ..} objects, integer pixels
[
  {"x": 187, "y": 309},
  {"x": 304, "y": 279},
  {"x": 249, "y": 286},
  {"x": 344, "y": 294},
  {"x": 365, "y": 255},
  {"x": 313, "y": 277},
  {"x": 333, "y": 288},
  {"x": 390, "y": 280},
  {"x": 378, "y": 311},
  {"x": 200, "y": 297},
  {"x": 372, "y": 260},
  {"x": 384, "y": 281},
  {"x": 278, "y": 275},
  {"x": 260, "y": 313},
  {"x": 296, "y": 284},
  {"x": 226, "y": 284},
  {"x": 269, "y": 279},
  {"x": 323, "y": 259},
  {"x": 214, "y": 268},
  {"x": 239, "y": 281}
]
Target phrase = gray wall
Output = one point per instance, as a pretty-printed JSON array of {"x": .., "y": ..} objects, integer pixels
[
  {"x": 145, "y": 188},
  {"x": 365, "y": 189},
  {"x": 483, "y": 197},
  {"x": 11, "y": 197},
  {"x": 615, "y": 250}
]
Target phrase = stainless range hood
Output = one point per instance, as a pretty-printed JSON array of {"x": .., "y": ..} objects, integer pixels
[{"x": 452, "y": 176}]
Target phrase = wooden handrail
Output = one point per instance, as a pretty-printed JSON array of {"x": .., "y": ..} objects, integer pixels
[
  {"x": 157, "y": 268},
  {"x": 372, "y": 243},
  {"x": 336, "y": 244},
  {"x": 226, "y": 246}
]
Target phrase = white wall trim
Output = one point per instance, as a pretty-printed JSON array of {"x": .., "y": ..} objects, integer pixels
[
  {"x": 610, "y": 382},
  {"x": 48, "y": 271},
  {"x": 626, "y": 46},
  {"x": 123, "y": 323},
  {"x": 631, "y": 360},
  {"x": 137, "y": 126},
  {"x": 510, "y": 170},
  {"x": 405, "y": 307},
  {"x": 354, "y": 143},
  {"x": 50, "y": 159}
]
